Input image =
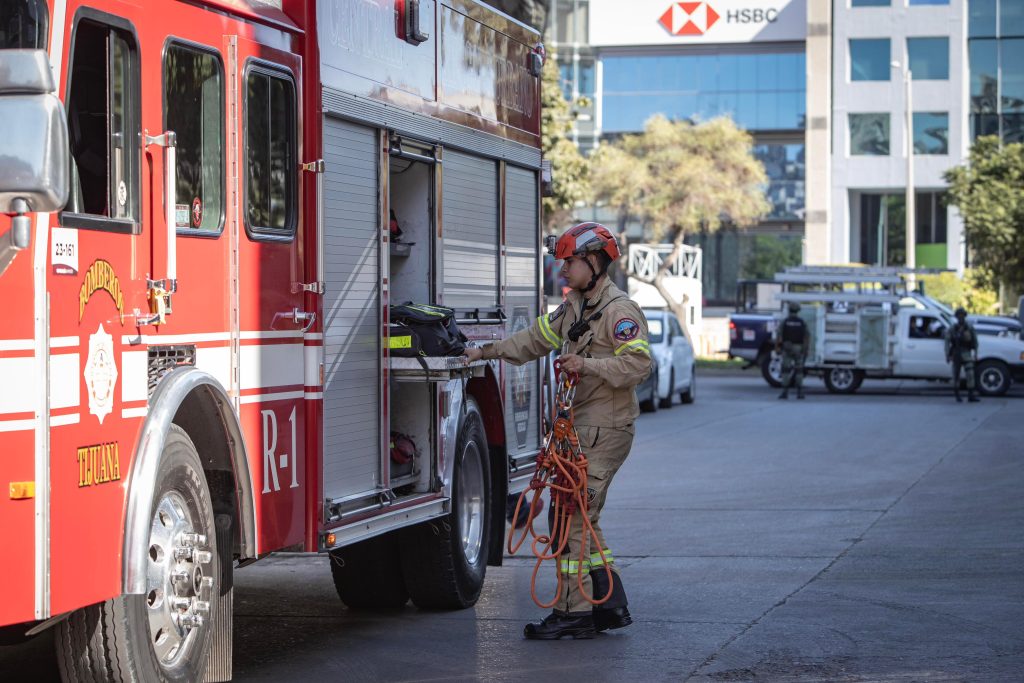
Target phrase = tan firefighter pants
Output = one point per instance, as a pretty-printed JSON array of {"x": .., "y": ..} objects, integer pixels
[{"x": 606, "y": 449}]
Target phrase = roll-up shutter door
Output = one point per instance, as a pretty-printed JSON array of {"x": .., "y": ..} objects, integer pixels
[
  {"x": 351, "y": 308},
  {"x": 470, "y": 231},
  {"x": 522, "y": 246}
]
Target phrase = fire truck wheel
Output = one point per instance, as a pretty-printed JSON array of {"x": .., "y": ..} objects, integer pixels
[
  {"x": 164, "y": 634},
  {"x": 368, "y": 575},
  {"x": 444, "y": 560}
]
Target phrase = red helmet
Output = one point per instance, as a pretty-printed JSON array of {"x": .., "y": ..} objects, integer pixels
[{"x": 584, "y": 238}]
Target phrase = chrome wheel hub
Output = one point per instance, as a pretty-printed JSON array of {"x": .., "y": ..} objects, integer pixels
[
  {"x": 842, "y": 378},
  {"x": 471, "y": 502},
  {"x": 991, "y": 379},
  {"x": 179, "y": 580}
]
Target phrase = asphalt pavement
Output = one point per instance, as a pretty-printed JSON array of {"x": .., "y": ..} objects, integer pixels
[{"x": 873, "y": 537}]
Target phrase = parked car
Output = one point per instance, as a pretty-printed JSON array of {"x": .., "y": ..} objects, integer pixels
[{"x": 673, "y": 353}]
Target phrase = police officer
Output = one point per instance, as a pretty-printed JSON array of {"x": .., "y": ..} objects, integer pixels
[
  {"x": 961, "y": 350},
  {"x": 791, "y": 341},
  {"x": 602, "y": 335}
]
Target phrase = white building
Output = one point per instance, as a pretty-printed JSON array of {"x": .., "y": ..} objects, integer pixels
[{"x": 873, "y": 42}]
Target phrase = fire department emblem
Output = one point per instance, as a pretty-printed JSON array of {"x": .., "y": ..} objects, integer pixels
[
  {"x": 688, "y": 18},
  {"x": 100, "y": 373},
  {"x": 197, "y": 212}
]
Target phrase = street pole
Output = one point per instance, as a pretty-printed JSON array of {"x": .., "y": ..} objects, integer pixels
[{"x": 911, "y": 236}]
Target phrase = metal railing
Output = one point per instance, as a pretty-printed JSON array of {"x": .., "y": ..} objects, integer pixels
[{"x": 645, "y": 260}]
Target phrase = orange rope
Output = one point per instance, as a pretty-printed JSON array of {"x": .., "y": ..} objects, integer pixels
[{"x": 562, "y": 469}]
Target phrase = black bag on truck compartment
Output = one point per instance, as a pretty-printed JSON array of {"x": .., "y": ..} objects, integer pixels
[{"x": 433, "y": 325}]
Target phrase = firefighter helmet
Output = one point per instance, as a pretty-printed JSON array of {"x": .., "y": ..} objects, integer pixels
[{"x": 585, "y": 238}]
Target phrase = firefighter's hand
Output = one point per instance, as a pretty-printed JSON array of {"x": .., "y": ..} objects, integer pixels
[
  {"x": 472, "y": 353},
  {"x": 572, "y": 363}
]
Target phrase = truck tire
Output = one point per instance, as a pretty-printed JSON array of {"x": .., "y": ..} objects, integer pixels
[
  {"x": 690, "y": 395},
  {"x": 771, "y": 368},
  {"x": 843, "y": 380},
  {"x": 444, "y": 561},
  {"x": 667, "y": 401},
  {"x": 165, "y": 634},
  {"x": 368, "y": 574},
  {"x": 993, "y": 377}
]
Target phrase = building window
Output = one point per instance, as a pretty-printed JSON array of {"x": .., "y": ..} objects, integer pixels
[
  {"x": 1011, "y": 18},
  {"x": 981, "y": 22},
  {"x": 869, "y": 59},
  {"x": 930, "y": 224},
  {"x": 194, "y": 110},
  {"x": 870, "y": 3},
  {"x": 996, "y": 62},
  {"x": 759, "y": 91},
  {"x": 883, "y": 236},
  {"x": 784, "y": 165},
  {"x": 869, "y": 134},
  {"x": 929, "y": 58},
  {"x": 270, "y": 152},
  {"x": 931, "y": 133},
  {"x": 23, "y": 25},
  {"x": 103, "y": 128},
  {"x": 983, "y": 57},
  {"x": 1011, "y": 71}
]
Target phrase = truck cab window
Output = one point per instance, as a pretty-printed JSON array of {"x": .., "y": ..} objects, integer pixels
[
  {"x": 270, "y": 153},
  {"x": 104, "y": 131},
  {"x": 23, "y": 24},
  {"x": 194, "y": 109}
]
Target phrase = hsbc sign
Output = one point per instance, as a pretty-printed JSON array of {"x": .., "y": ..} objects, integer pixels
[{"x": 663, "y": 22}]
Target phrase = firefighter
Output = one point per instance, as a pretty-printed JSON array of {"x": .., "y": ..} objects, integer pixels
[
  {"x": 961, "y": 350},
  {"x": 791, "y": 341},
  {"x": 601, "y": 335}
]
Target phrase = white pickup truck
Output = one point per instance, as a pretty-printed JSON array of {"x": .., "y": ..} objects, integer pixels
[{"x": 864, "y": 324}]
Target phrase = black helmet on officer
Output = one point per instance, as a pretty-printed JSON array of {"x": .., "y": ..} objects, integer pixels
[
  {"x": 961, "y": 314},
  {"x": 794, "y": 308}
]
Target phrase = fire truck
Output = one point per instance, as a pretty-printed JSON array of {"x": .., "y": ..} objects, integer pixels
[{"x": 209, "y": 208}]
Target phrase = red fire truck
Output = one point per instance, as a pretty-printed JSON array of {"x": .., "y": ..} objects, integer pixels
[{"x": 209, "y": 207}]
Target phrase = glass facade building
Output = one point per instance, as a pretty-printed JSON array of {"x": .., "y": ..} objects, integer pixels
[
  {"x": 995, "y": 49},
  {"x": 758, "y": 91}
]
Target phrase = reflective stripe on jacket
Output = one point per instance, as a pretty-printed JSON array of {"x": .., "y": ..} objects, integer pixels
[{"x": 616, "y": 353}]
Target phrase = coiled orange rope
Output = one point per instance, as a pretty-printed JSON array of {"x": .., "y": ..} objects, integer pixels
[{"x": 561, "y": 468}]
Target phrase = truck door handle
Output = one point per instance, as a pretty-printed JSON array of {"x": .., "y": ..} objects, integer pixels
[{"x": 299, "y": 317}]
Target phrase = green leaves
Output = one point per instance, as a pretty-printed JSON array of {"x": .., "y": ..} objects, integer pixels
[
  {"x": 679, "y": 177},
  {"x": 989, "y": 192}
]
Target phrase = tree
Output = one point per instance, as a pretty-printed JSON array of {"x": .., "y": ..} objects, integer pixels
[
  {"x": 989, "y": 192},
  {"x": 678, "y": 178},
  {"x": 569, "y": 168}
]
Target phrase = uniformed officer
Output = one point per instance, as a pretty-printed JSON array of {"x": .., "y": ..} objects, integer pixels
[
  {"x": 961, "y": 350},
  {"x": 602, "y": 335},
  {"x": 791, "y": 341}
]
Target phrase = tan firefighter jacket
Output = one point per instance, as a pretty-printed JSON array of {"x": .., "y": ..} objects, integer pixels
[{"x": 616, "y": 353}]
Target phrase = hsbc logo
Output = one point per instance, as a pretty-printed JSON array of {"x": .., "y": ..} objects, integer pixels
[{"x": 696, "y": 18}]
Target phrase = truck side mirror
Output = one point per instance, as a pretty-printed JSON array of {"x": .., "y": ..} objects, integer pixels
[{"x": 34, "y": 146}]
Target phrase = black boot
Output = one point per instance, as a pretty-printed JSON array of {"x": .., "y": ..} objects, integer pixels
[
  {"x": 800, "y": 393},
  {"x": 957, "y": 394},
  {"x": 613, "y": 613},
  {"x": 784, "y": 395},
  {"x": 578, "y": 625},
  {"x": 971, "y": 398}
]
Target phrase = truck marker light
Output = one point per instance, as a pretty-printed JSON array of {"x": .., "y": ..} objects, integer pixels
[{"x": 22, "y": 490}]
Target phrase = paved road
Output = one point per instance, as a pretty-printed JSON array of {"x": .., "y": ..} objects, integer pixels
[{"x": 874, "y": 537}]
